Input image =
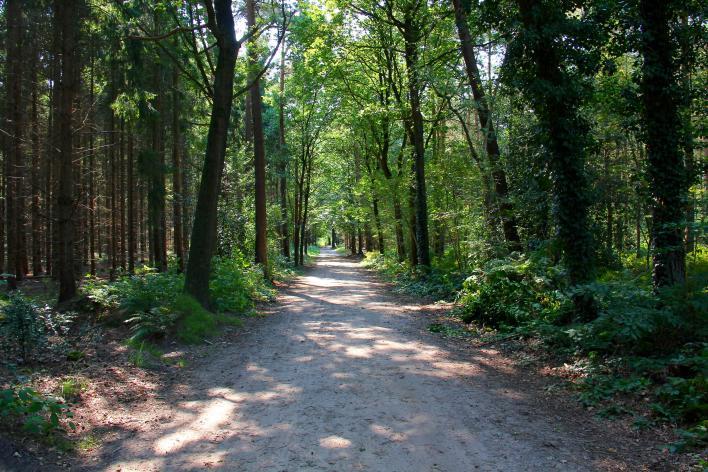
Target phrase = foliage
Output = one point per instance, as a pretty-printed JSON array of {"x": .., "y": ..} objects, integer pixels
[
  {"x": 38, "y": 414},
  {"x": 434, "y": 283},
  {"x": 236, "y": 284},
  {"x": 26, "y": 327},
  {"x": 70, "y": 388},
  {"x": 634, "y": 343},
  {"x": 513, "y": 291},
  {"x": 154, "y": 306},
  {"x": 141, "y": 292},
  {"x": 194, "y": 323}
]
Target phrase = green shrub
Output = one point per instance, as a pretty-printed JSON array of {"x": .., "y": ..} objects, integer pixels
[
  {"x": 434, "y": 283},
  {"x": 236, "y": 284},
  {"x": 155, "y": 322},
  {"x": 37, "y": 413},
  {"x": 25, "y": 327},
  {"x": 513, "y": 291},
  {"x": 71, "y": 388},
  {"x": 154, "y": 305}
]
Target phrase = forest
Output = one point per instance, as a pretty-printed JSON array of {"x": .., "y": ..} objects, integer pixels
[{"x": 533, "y": 172}]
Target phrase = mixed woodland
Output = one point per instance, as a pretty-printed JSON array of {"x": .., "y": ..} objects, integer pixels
[{"x": 166, "y": 165}]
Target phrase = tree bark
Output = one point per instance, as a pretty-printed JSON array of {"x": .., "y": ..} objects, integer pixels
[
  {"x": 177, "y": 197},
  {"x": 258, "y": 147},
  {"x": 282, "y": 163},
  {"x": 667, "y": 173},
  {"x": 411, "y": 34},
  {"x": 36, "y": 200},
  {"x": 66, "y": 21},
  {"x": 203, "y": 240},
  {"x": 556, "y": 102},
  {"x": 14, "y": 154},
  {"x": 501, "y": 187}
]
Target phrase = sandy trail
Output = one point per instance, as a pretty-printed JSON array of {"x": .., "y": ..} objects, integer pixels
[{"x": 343, "y": 377}]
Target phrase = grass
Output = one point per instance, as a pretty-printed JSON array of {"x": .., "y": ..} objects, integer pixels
[{"x": 87, "y": 443}]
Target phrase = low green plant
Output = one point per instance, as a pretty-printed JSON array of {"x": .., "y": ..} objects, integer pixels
[
  {"x": 37, "y": 413},
  {"x": 23, "y": 329},
  {"x": 433, "y": 283},
  {"x": 236, "y": 284},
  {"x": 513, "y": 291},
  {"x": 156, "y": 322},
  {"x": 70, "y": 388},
  {"x": 194, "y": 323}
]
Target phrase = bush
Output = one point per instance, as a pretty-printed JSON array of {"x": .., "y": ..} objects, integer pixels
[
  {"x": 155, "y": 306},
  {"x": 434, "y": 283},
  {"x": 37, "y": 413},
  {"x": 236, "y": 284},
  {"x": 513, "y": 291},
  {"x": 25, "y": 327}
]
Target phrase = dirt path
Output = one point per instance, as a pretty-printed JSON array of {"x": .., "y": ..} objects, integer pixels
[{"x": 344, "y": 377}]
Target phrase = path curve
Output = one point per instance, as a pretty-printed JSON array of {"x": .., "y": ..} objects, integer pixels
[{"x": 344, "y": 377}]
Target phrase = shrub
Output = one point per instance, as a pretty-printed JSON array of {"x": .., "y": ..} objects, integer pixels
[
  {"x": 38, "y": 414},
  {"x": 135, "y": 293},
  {"x": 235, "y": 284},
  {"x": 154, "y": 304},
  {"x": 26, "y": 327},
  {"x": 513, "y": 291},
  {"x": 194, "y": 323},
  {"x": 433, "y": 283},
  {"x": 23, "y": 327}
]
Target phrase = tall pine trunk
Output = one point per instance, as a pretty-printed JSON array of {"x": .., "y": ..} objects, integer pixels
[
  {"x": 14, "y": 159},
  {"x": 66, "y": 21}
]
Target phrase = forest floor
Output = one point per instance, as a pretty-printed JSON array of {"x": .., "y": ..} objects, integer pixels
[{"x": 342, "y": 374}]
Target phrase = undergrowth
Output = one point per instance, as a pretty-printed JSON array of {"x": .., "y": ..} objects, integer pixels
[
  {"x": 154, "y": 306},
  {"x": 631, "y": 350}
]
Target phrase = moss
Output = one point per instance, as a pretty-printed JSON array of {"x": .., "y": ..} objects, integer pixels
[{"x": 194, "y": 323}]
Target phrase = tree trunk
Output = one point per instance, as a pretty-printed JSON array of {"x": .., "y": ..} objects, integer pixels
[
  {"x": 556, "y": 102},
  {"x": 132, "y": 236},
  {"x": 258, "y": 147},
  {"x": 282, "y": 163},
  {"x": 667, "y": 173},
  {"x": 203, "y": 240},
  {"x": 66, "y": 21},
  {"x": 501, "y": 187},
  {"x": 411, "y": 36},
  {"x": 36, "y": 229},
  {"x": 14, "y": 160},
  {"x": 177, "y": 197},
  {"x": 379, "y": 228}
]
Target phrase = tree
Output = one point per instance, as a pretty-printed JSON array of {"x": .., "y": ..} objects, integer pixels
[
  {"x": 203, "y": 241},
  {"x": 259, "y": 160},
  {"x": 554, "y": 88},
  {"x": 14, "y": 156},
  {"x": 666, "y": 167},
  {"x": 67, "y": 14},
  {"x": 501, "y": 187}
]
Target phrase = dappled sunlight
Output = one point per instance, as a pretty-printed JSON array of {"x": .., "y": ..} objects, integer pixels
[
  {"x": 339, "y": 381},
  {"x": 215, "y": 414},
  {"x": 335, "y": 442}
]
